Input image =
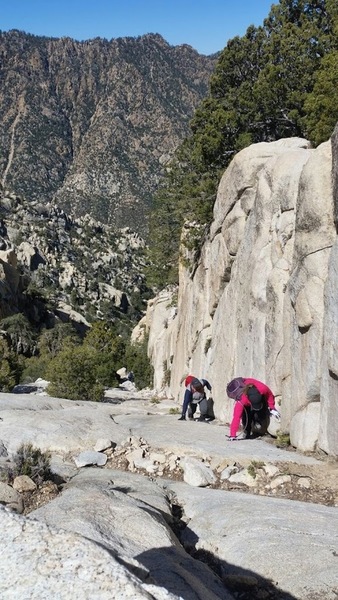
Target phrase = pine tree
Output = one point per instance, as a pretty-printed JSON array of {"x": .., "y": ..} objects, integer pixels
[{"x": 276, "y": 81}]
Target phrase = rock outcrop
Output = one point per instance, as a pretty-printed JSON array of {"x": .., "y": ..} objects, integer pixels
[
  {"x": 82, "y": 268},
  {"x": 261, "y": 301},
  {"x": 175, "y": 510},
  {"x": 59, "y": 564}
]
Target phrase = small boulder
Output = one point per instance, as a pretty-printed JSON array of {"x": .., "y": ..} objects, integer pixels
[
  {"x": 10, "y": 498},
  {"x": 197, "y": 473},
  {"x": 23, "y": 483},
  {"x": 102, "y": 444},
  {"x": 90, "y": 458}
]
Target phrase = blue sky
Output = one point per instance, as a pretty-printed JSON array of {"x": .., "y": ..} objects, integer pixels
[{"x": 206, "y": 25}]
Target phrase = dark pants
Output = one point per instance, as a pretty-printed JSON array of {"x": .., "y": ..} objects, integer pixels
[
  {"x": 203, "y": 405},
  {"x": 255, "y": 421}
]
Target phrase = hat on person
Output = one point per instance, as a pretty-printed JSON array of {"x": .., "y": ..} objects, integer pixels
[{"x": 235, "y": 387}]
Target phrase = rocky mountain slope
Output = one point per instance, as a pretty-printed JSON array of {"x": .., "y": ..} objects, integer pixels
[
  {"x": 53, "y": 263},
  {"x": 90, "y": 125}
]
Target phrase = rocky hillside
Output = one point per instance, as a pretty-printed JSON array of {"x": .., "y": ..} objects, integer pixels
[
  {"x": 52, "y": 264},
  {"x": 90, "y": 125}
]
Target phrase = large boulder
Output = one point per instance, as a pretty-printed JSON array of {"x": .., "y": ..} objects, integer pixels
[
  {"x": 38, "y": 561},
  {"x": 304, "y": 428},
  {"x": 129, "y": 516}
]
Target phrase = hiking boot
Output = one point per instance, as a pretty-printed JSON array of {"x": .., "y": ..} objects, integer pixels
[
  {"x": 181, "y": 418},
  {"x": 201, "y": 418}
]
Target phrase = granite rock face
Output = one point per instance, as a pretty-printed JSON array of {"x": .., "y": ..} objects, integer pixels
[
  {"x": 40, "y": 561},
  {"x": 261, "y": 302}
]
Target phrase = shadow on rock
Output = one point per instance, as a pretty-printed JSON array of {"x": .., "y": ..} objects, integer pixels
[
  {"x": 242, "y": 583},
  {"x": 206, "y": 576}
]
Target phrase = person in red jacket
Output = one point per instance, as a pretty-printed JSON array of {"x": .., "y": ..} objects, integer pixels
[
  {"x": 195, "y": 395},
  {"x": 254, "y": 403}
]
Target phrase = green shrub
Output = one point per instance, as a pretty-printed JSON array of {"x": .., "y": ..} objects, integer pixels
[
  {"x": 21, "y": 334},
  {"x": 108, "y": 348},
  {"x": 282, "y": 440},
  {"x": 73, "y": 374},
  {"x": 254, "y": 466},
  {"x": 32, "y": 462},
  {"x": 52, "y": 341},
  {"x": 136, "y": 357},
  {"x": 10, "y": 367},
  {"x": 34, "y": 367}
]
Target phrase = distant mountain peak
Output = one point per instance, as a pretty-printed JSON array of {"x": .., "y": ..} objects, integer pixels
[{"x": 86, "y": 124}]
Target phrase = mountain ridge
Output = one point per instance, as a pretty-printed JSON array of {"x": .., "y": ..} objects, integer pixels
[{"x": 90, "y": 125}]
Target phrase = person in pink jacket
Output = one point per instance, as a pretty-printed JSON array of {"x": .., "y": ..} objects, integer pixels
[{"x": 254, "y": 403}]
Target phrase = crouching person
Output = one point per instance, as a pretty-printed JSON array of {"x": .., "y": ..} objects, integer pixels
[
  {"x": 254, "y": 403},
  {"x": 195, "y": 396}
]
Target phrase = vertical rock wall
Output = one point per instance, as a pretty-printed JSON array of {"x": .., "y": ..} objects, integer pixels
[
  {"x": 328, "y": 437},
  {"x": 262, "y": 300}
]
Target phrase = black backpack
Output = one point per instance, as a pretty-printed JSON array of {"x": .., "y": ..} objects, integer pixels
[{"x": 255, "y": 397}]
